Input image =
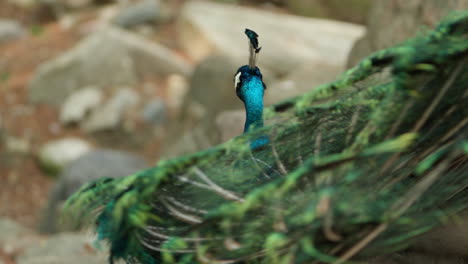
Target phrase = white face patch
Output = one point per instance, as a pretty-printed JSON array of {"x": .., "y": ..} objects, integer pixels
[{"x": 237, "y": 79}]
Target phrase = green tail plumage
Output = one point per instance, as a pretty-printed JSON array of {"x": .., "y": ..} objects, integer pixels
[{"x": 361, "y": 165}]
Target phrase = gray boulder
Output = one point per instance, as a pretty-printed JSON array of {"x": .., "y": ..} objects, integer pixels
[
  {"x": 353, "y": 11},
  {"x": 11, "y": 230},
  {"x": 177, "y": 88},
  {"x": 55, "y": 155},
  {"x": 110, "y": 114},
  {"x": 155, "y": 112},
  {"x": 287, "y": 41},
  {"x": 109, "y": 57},
  {"x": 142, "y": 12},
  {"x": 230, "y": 124},
  {"x": 14, "y": 239},
  {"x": 212, "y": 84},
  {"x": 211, "y": 92},
  {"x": 10, "y": 30},
  {"x": 392, "y": 22},
  {"x": 94, "y": 165},
  {"x": 79, "y": 103},
  {"x": 302, "y": 80}
]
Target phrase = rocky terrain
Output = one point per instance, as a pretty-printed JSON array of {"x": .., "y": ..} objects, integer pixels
[{"x": 104, "y": 88}]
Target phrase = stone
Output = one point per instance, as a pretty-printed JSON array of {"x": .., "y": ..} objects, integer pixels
[
  {"x": 142, "y": 12},
  {"x": 11, "y": 230},
  {"x": 230, "y": 124},
  {"x": 191, "y": 140},
  {"x": 63, "y": 248},
  {"x": 151, "y": 59},
  {"x": 109, "y": 57},
  {"x": 79, "y": 103},
  {"x": 211, "y": 92},
  {"x": 288, "y": 41},
  {"x": 392, "y": 22},
  {"x": 99, "y": 60},
  {"x": 177, "y": 88},
  {"x": 155, "y": 112},
  {"x": 91, "y": 166},
  {"x": 15, "y": 237},
  {"x": 302, "y": 80},
  {"x": 10, "y": 30},
  {"x": 354, "y": 11},
  {"x": 212, "y": 84},
  {"x": 110, "y": 114},
  {"x": 55, "y": 155}
]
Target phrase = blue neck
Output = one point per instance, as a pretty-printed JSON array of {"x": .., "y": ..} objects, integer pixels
[
  {"x": 254, "y": 115},
  {"x": 253, "y": 102}
]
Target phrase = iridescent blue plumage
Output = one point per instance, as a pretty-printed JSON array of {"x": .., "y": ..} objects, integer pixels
[{"x": 250, "y": 89}]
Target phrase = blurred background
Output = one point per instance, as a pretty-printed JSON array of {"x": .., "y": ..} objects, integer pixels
[{"x": 104, "y": 88}]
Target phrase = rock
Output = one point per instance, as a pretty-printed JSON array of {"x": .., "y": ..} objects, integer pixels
[
  {"x": 63, "y": 248},
  {"x": 109, "y": 57},
  {"x": 110, "y": 115},
  {"x": 353, "y": 11},
  {"x": 10, "y": 30},
  {"x": 191, "y": 140},
  {"x": 55, "y": 155},
  {"x": 211, "y": 92},
  {"x": 79, "y": 103},
  {"x": 177, "y": 88},
  {"x": 151, "y": 59},
  {"x": 212, "y": 85},
  {"x": 14, "y": 239},
  {"x": 11, "y": 230},
  {"x": 99, "y": 60},
  {"x": 155, "y": 112},
  {"x": 288, "y": 41},
  {"x": 142, "y": 12},
  {"x": 91, "y": 166},
  {"x": 230, "y": 124},
  {"x": 392, "y": 22},
  {"x": 302, "y": 80}
]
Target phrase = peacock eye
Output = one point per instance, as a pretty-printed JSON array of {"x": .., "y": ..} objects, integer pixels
[{"x": 237, "y": 79}]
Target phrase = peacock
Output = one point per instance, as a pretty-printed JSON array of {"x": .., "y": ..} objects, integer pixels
[{"x": 353, "y": 169}]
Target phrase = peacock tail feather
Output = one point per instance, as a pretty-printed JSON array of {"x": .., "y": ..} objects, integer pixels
[{"x": 355, "y": 168}]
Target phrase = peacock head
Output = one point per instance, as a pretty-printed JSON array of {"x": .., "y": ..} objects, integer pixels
[{"x": 248, "y": 80}]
